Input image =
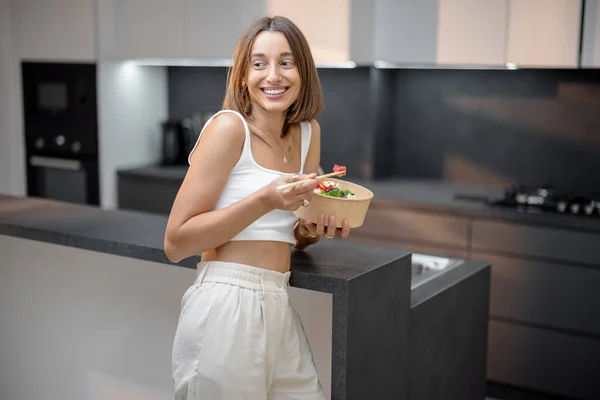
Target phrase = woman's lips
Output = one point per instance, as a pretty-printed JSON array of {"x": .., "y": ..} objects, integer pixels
[{"x": 274, "y": 93}]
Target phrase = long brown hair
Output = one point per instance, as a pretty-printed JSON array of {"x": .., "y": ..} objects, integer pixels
[{"x": 310, "y": 99}]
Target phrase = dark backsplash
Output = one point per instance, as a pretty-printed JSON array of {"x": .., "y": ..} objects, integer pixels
[
  {"x": 479, "y": 126},
  {"x": 530, "y": 127}
]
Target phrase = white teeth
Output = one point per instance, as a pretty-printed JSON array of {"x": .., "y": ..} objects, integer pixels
[{"x": 274, "y": 91}]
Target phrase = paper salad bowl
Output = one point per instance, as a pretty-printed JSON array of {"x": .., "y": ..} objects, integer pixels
[{"x": 354, "y": 209}]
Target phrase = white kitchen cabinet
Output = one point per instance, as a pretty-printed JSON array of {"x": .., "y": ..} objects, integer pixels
[
  {"x": 174, "y": 29},
  {"x": 211, "y": 29},
  {"x": 149, "y": 28},
  {"x": 437, "y": 32},
  {"x": 316, "y": 17},
  {"x": 471, "y": 32},
  {"x": 133, "y": 29},
  {"x": 529, "y": 33},
  {"x": 544, "y": 33},
  {"x": 55, "y": 30},
  {"x": 590, "y": 57}
]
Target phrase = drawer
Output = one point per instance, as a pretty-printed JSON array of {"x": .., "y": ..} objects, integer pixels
[
  {"x": 560, "y": 296},
  {"x": 543, "y": 360},
  {"x": 414, "y": 225},
  {"x": 536, "y": 241}
]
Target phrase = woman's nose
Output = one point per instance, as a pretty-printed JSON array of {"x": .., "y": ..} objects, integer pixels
[{"x": 273, "y": 74}]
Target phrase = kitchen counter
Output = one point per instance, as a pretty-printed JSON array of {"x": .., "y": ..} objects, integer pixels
[
  {"x": 433, "y": 196},
  {"x": 370, "y": 286},
  {"x": 348, "y": 272},
  {"x": 326, "y": 267}
]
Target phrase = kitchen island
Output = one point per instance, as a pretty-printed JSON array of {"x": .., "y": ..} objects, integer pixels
[
  {"x": 544, "y": 276},
  {"x": 87, "y": 292}
]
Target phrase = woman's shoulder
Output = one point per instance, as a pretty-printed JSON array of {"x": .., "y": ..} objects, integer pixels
[
  {"x": 228, "y": 120},
  {"x": 221, "y": 134},
  {"x": 315, "y": 128},
  {"x": 229, "y": 125}
]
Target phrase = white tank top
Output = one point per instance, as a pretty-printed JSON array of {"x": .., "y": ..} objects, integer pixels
[{"x": 247, "y": 177}]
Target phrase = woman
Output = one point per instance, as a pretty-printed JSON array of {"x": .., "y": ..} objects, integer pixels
[{"x": 238, "y": 336}]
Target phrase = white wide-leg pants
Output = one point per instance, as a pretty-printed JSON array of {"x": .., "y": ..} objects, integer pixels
[{"x": 239, "y": 338}]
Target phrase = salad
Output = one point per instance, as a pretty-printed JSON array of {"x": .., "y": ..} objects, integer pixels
[{"x": 332, "y": 188}]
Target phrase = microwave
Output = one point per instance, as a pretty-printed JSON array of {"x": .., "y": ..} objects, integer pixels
[
  {"x": 58, "y": 93},
  {"x": 60, "y": 107}
]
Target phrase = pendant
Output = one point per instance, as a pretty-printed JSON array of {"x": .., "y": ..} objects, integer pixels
[{"x": 284, "y": 160}]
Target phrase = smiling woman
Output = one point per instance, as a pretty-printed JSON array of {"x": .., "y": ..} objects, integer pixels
[
  {"x": 238, "y": 335},
  {"x": 274, "y": 54}
]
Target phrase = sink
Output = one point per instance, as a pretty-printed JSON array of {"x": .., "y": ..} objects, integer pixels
[{"x": 426, "y": 267}]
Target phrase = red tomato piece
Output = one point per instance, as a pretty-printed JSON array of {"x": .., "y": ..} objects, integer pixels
[{"x": 339, "y": 168}]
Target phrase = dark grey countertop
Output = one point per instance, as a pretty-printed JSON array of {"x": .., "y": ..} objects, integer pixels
[
  {"x": 139, "y": 235},
  {"x": 370, "y": 285},
  {"x": 423, "y": 195}
]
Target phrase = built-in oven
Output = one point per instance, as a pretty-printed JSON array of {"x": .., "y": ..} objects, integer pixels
[
  {"x": 61, "y": 131},
  {"x": 66, "y": 179}
]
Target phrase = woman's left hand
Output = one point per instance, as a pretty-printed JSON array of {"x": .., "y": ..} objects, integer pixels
[{"x": 328, "y": 230}]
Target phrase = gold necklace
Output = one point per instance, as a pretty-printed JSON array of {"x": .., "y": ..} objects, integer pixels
[{"x": 285, "y": 160}]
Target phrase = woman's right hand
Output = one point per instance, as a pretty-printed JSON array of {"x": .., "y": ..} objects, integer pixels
[{"x": 291, "y": 199}]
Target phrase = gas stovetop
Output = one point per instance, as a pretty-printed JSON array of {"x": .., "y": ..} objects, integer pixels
[
  {"x": 543, "y": 199},
  {"x": 549, "y": 199}
]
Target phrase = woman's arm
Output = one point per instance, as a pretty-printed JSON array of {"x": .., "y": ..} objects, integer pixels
[{"x": 193, "y": 226}]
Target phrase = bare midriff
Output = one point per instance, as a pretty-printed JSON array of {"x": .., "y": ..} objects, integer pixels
[{"x": 262, "y": 254}]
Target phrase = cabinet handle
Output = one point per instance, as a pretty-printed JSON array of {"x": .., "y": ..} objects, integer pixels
[{"x": 58, "y": 163}]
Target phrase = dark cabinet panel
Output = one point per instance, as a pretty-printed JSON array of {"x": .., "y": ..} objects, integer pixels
[
  {"x": 553, "y": 295},
  {"x": 402, "y": 224},
  {"x": 414, "y": 247},
  {"x": 536, "y": 241},
  {"x": 543, "y": 360}
]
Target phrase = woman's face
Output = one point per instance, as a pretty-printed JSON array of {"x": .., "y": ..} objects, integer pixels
[{"x": 273, "y": 79}]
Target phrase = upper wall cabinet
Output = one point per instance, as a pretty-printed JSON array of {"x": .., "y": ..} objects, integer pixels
[
  {"x": 544, "y": 33},
  {"x": 324, "y": 23},
  {"x": 590, "y": 57},
  {"x": 538, "y": 33},
  {"x": 55, "y": 30},
  {"x": 174, "y": 29},
  {"x": 530, "y": 33},
  {"x": 211, "y": 29},
  {"x": 471, "y": 32},
  {"x": 131, "y": 29},
  {"x": 440, "y": 32}
]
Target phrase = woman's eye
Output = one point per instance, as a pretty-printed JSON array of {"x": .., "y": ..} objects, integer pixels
[
  {"x": 259, "y": 64},
  {"x": 287, "y": 63}
]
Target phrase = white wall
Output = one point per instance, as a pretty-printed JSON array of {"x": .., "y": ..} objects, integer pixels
[
  {"x": 132, "y": 102},
  {"x": 81, "y": 325},
  {"x": 12, "y": 164}
]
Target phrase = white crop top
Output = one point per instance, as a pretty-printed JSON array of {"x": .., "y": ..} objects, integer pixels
[{"x": 247, "y": 177}]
